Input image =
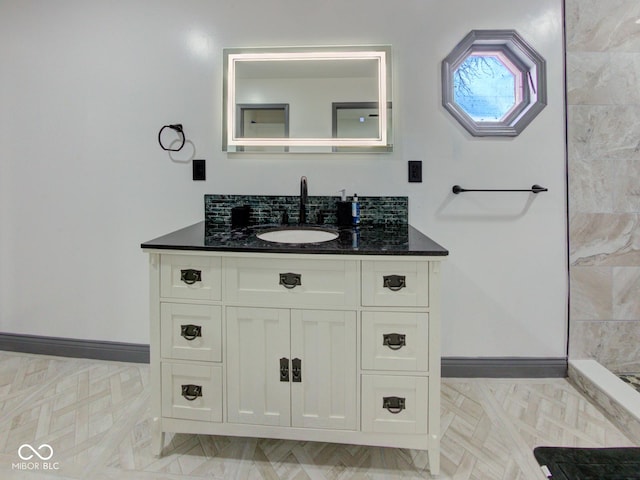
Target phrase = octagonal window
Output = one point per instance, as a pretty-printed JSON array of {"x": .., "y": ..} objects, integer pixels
[{"x": 493, "y": 83}]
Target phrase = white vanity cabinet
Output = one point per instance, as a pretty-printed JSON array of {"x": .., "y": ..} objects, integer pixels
[{"x": 318, "y": 347}]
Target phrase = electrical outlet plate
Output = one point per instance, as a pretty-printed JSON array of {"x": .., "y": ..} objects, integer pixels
[{"x": 415, "y": 171}]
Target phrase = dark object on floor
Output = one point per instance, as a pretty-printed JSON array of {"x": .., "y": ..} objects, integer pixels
[{"x": 590, "y": 463}]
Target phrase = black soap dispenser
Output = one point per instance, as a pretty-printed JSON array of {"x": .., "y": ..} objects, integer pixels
[{"x": 343, "y": 210}]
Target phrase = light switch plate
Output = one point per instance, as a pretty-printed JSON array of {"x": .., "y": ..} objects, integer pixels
[
  {"x": 199, "y": 170},
  {"x": 415, "y": 171}
]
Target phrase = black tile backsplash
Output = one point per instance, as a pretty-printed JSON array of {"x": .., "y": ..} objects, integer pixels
[{"x": 267, "y": 209}]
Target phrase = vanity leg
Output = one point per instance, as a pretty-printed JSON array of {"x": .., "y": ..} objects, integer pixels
[
  {"x": 434, "y": 455},
  {"x": 157, "y": 438},
  {"x": 434, "y": 461}
]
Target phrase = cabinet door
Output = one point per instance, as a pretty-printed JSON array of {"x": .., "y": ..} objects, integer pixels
[
  {"x": 395, "y": 283},
  {"x": 192, "y": 391},
  {"x": 191, "y": 332},
  {"x": 395, "y": 404},
  {"x": 395, "y": 341},
  {"x": 325, "y": 343},
  {"x": 190, "y": 276},
  {"x": 260, "y": 281},
  {"x": 257, "y": 338}
]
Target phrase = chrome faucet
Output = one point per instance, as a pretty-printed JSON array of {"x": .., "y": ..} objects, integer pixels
[{"x": 304, "y": 194}]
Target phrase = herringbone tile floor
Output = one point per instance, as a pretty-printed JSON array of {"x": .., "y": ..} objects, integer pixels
[{"x": 95, "y": 416}]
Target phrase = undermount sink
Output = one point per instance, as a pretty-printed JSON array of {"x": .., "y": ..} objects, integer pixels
[{"x": 298, "y": 235}]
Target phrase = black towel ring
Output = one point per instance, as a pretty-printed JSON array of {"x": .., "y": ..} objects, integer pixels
[{"x": 177, "y": 128}]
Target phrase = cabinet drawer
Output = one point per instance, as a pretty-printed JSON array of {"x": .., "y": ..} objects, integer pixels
[
  {"x": 192, "y": 392},
  {"x": 395, "y": 283},
  {"x": 191, "y": 332},
  {"x": 394, "y": 404},
  {"x": 192, "y": 277},
  {"x": 291, "y": 282},
  {"x": 395, "y": 341}
]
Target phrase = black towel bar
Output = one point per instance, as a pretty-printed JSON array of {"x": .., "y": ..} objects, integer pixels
[{"x": 534, "y": 189}]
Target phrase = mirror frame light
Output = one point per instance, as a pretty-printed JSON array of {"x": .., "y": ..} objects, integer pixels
[{"x": 233, "y": 57}]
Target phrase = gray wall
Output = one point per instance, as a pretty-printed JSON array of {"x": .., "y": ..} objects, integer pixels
[{"x": 86, "y": 85}]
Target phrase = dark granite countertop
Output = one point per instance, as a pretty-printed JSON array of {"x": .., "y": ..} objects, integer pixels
[{"x": 366, "y": 240}]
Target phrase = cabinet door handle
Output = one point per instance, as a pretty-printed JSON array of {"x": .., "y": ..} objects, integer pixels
[
  {"x": 394, "y": 282},
  {"x": 395, "y": 341},
  {"x": 393, "y": 404},
  {"x": 191, "y": 392},
  {"x": 190, "y": 276},
  {"x": 284, "y": 369},
  {"x": 190, "y": 332},
  {"x": 290, "y": 280},
  {"x": 296, "y": 370}
]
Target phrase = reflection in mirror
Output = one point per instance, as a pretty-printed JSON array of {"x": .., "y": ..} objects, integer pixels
[
  {"x": 357, "y": 120},
  {"x": 262, "y": 121},
  {"x": 284, "y": 99}
]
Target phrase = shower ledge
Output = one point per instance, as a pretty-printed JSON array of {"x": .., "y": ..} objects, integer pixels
[{"x": 618, "y": 399}]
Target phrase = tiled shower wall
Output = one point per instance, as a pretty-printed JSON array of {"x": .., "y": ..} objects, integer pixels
[{"x": 603, "y": 96}]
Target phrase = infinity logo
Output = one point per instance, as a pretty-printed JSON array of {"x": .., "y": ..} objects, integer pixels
[{"x": 44, "y": 448}]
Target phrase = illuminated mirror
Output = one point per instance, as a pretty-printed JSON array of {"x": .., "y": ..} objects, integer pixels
[{"x": 303, "y": 99}]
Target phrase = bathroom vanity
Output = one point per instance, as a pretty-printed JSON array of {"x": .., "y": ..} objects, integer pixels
[{"x": 332, "y": 342}]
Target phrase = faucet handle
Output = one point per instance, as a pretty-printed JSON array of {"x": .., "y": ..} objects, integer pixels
[{"x": 284, "y": 220}]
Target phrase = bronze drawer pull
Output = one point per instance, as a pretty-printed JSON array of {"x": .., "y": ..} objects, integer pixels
[
  {"x": 191, "y": 392},
  {"x": 290, "y": 280},
  {"x": 190, "y": 276},
  {"x": 395, "y": 341},
  {"x": 394, "y": 282},
  {"x": 190, "y": 332},
  {"x": 393, "y": 404}
]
